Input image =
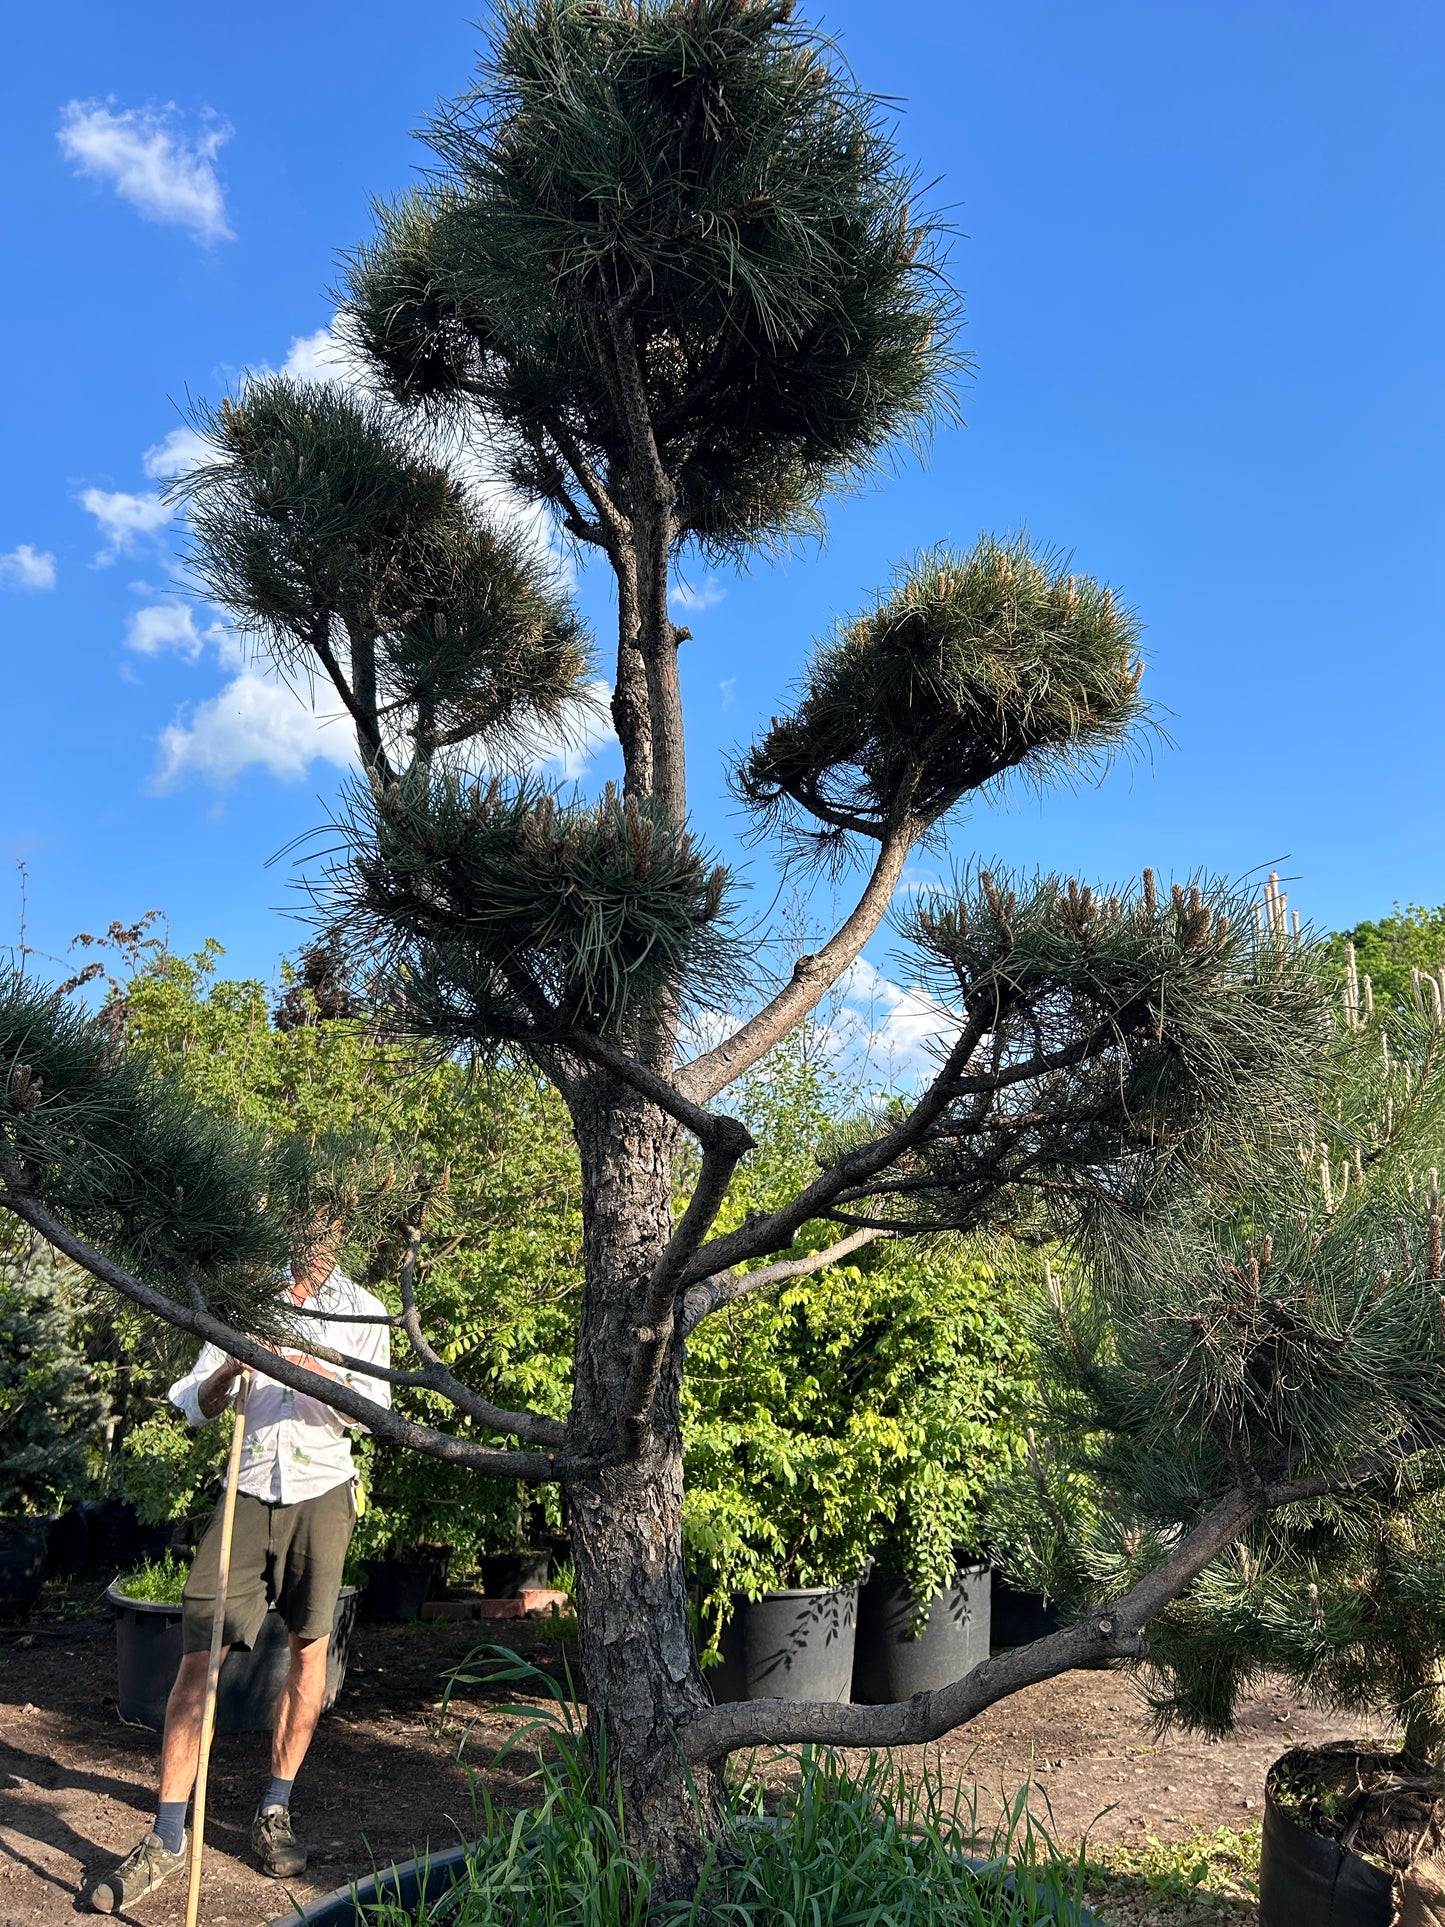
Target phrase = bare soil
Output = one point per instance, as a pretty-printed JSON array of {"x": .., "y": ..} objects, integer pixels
[{"x": 382, "y": 1782}]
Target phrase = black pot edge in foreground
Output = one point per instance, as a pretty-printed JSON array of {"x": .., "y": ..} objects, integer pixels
[
  {"x": 404, "y": 1883},
  {"x": 1308, "y": 1881}
]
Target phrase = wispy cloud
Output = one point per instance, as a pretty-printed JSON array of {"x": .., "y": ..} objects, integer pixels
[
  {"x": 123, "y": 518},
  {"x": 170, "y": 627},
  {"x": 254, "y": 722},
  {"x": 706, "y": 594},
  {"x": 182, "y": 450},
  {"x": 145, "y": 157},
  {"x": 27, "y": 568},
  {"x": 725, "y": 690}
]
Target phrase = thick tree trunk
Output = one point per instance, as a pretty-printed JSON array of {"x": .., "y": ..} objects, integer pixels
[{"x": 638, "y": 1659}]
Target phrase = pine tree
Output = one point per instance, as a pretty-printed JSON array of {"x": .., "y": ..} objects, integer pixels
[
  {"x": 48, "y": 1412},
  {"x": 670, "y": 271}
]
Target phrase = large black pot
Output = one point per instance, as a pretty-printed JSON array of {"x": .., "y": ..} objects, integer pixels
[
  {"x": 116, "y": 1538},
  {"x": 795, "y": 1645},
  {"x": 413, "y": 1888},
  {"x": 148, "y": 1652},
  {"x": 67, "y": 1550},
  {"x": 398, "y": 1588},
  {"x": 1020, "y": 1617},
  {"x": 404, "y": 1886},
  {"x": 506, "y": 1574},
  {"x": 892, "y": 1661},
  {"x": 22, "y": 1564},
  {"x": 1307, "y": 1881}
]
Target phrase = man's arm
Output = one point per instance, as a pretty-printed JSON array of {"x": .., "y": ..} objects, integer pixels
[{"x": 206, "y": 1388}]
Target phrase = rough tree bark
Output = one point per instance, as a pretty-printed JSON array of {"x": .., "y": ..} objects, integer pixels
[{"x": 639, "y": 1663}]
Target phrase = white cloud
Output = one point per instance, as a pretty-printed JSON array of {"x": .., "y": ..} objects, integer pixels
[
  {"x": 150, "y": 163},
  {"x": 886, "y": 1028},
  {"x": 323, "y": 356},
  {"x": 172, "y": 626},
  {"x": 706, "y": 595},
  {"x": 254, "y": 722},
  {"x": 123, "y": 517},
  {"x": 182, "y": 450},
  {"x": 726, "y": 688},
  {"x": 28, "y": 568}
]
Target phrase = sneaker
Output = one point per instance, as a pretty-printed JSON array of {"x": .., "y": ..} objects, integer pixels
[
  {"x": 139, "y": 1873},
  {"x": 275, "y": 1844}
]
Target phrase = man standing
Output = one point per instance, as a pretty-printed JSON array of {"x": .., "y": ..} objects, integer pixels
[{"x": 295, "y": 1510}]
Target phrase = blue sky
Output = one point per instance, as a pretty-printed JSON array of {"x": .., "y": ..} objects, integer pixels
[{"x": 1201, "y": 254}]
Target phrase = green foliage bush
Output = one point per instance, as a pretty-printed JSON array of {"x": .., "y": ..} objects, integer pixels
[
  {"x": 867, "y": 1409},
  {"x": 500, "y": 1267},
  {"x": 48, "y": 1409},
  {"x": 1389, "y": 949},
  {"x": 157, "y": 1582}
]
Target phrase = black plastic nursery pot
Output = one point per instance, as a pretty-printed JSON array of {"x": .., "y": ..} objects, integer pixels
[
  {"x": 407, "y": 1885},
  {"x": 417, "y": 1886},
  {"x": 795, "y": 1645},
  {"x": 148, "y": 1651},
  {"x": 23, "y": 1543},
  {"x": 1308, "y": 1881},
  {"x": 893, "y": 1661},
  {"x": 1017, "y": 1617},
  {"x": 67, "y": 1550},
  {"x": 506, "y": 1574},
  {"x": 115, "y": 1537},
  {"x": 398, "y": 1588}
]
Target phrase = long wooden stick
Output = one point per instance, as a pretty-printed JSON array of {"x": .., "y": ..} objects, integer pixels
[{"x": 213, "y": 1668}]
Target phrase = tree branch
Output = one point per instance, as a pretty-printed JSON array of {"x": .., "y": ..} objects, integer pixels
[
  {"x": 762, "y": 1234},
  {"x": 1114, "y": 1632},
  {"x": 813, "y": 976},
  {"x": 378, "y": 1419},
  {"x": 531, "y": 1427},
  {"x": 708, "y": 1127},
  {"x": 713, "y": 1293}
]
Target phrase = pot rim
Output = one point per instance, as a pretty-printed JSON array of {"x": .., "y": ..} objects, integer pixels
[
  {"x": 176, "y": 1607},
  {"x": 798, "y": 1592}
]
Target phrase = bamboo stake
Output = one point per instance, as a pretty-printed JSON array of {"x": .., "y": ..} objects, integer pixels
[{"x": 213, "y": 1668}]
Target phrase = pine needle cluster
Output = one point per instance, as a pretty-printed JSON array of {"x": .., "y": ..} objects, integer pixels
[
  {"x": 1283, "y": 1331},
  {"x": 697, "y": 179},
  {"x": 501, "y": 910},
  {"x": 337, "y": 544},
  {"x": 974, "y": 664}
]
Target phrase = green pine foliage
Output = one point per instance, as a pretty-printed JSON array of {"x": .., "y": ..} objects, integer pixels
[
  {"x": 705, "y": 180},
  {"x": 48, "y": 1410},
  {"x": 973, "y": 665},
  {"x": 1287, "y": 1327},
  {"x": 317, "y": 520},
  {"x": 492, "y": 902}
]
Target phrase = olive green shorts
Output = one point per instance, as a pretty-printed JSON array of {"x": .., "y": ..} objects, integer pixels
[{"x": 289, "y": 1556}]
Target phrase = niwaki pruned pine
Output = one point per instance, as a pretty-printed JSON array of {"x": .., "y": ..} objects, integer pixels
[{"x": 670, "y": 269}]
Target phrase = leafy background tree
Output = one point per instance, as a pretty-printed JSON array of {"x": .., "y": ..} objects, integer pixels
[
  {"x": 1390, "y": 949},
  {"x": 49, "y": 1410}
]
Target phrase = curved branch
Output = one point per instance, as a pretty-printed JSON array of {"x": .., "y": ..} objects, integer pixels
[
  {"x": 762, "y": 1234},
  {"x": 380, "y": 1420},
  {"x": 1115, "y": 1632},
  {"x": 813, "y": 976},
  {"x": 713, "y": 1293},
  {"x": 531, "y": 1427}
]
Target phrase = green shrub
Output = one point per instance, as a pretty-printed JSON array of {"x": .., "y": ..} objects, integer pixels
[
  {"x": 48, "y": 1412},
  {"x": 158, "y": 1582}
]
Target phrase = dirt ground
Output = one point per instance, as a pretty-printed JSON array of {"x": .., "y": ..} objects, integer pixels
[{"x": 76, "y": 1784}]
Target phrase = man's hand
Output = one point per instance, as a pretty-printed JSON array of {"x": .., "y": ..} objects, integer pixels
[{"x": 216, "y": 1390}]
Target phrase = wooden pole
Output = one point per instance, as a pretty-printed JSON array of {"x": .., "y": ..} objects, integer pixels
[{"x": 213, "y": 1669}]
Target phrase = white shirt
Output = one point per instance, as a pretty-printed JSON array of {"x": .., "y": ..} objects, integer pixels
[{"x": 295, "y": 1446}]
